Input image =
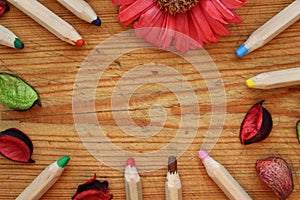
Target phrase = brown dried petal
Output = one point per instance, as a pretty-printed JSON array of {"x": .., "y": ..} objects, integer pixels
[
  {"x": 277, "y": 175},
  {"x": 93, "y": 190}
]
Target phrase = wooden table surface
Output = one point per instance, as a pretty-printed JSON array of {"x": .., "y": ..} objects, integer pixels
[{"x": 51, "y": 66}]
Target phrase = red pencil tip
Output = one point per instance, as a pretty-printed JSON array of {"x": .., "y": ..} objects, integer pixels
[
  {"x": 79, "y": 43},
  {"x": 130, "y": 162}
]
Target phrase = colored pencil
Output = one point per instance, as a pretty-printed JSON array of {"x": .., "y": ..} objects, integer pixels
[
  {"x": 49, "y": 20},
  {"x": 43, "y": 182},
  {"x": 222, "y": 178},
  {"x": 173, "y": 185},
  {"x": 275, "y": 79},
  {"x": 82, "y": 9},
  {"x": 133, "y": 185},
  {"x": 9, "y": 39},
  {"x": 271, "y": 29}
]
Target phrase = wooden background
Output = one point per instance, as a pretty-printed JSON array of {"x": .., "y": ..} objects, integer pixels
[{"x": 51, "y": 65}]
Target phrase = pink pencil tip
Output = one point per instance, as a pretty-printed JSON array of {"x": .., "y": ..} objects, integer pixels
[
  {"x": 79, "y": 43},
  {"x": 202, "y": 155},
  {"x": 130, "y": 162}
]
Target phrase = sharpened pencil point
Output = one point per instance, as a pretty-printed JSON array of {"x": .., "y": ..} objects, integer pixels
[
  {"x": 250, "y": 83},
  {"x": 130, "y": 162},
  {"x": 63, "y": 161},
  {"x": 79, "y": 43},
  {"x": 97, "y": 22},
  {"x": 241, "y": 51},
  {"x": 202, "y": 155},
  {"x": 18, "y": 44}
]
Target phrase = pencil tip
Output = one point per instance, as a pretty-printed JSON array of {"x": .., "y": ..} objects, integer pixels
[
  {"x": 18, "y": 44},
  {"x": 172, "y": 164},
  {"x": 250, "y": 83},
  {"x": 79, "y": 43},
  {"x": 241, "y": 51},
  {"x": 130, "y": 162},
  {"x": 97, "y": 22},
  {"x": 63, "y": 161},
  {"x": 202, "y": 155}
]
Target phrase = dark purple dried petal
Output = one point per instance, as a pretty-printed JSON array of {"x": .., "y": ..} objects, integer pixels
[
  {"x": 277, "y": 175},
  {"x": 93, "y": 190},
  {"x": 256, "y": 125}
]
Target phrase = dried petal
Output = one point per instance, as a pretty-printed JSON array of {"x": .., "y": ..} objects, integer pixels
[
  {"x": 16, "y": 145},
  {"x": 277, "y": 175},
  {"x": 3, "y": 7},
  {"x": 93, "y": 190},
  {"x": 298, "y": 130},
  {"x": 16, "y": 94},
  {"x": 256, "y": 125}
]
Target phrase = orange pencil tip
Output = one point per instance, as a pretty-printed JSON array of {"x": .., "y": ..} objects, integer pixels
[{"x": 79, "y": 43}]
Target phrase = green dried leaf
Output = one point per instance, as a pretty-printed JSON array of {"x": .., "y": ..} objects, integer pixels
[
  {"x": 16, "y": 94},
  {"x": 298, "y": 130}
]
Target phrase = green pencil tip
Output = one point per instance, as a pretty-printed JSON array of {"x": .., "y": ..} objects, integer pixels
[
  {"x": 63, "y": 161},
  {"x": 18, "y": 44}
]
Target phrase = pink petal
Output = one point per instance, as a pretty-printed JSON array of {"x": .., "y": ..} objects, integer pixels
[
  {"x": 123, "y": 2},
  {"x": 132, "y": 12},
  {"x": 216, "y": 26},
  {"x": 210, "y": 9},
  {"x": 236, "y": 20},
  {"x": 182, "y": 40},
  {"x": 227, "y": 14},
  {"x": 233, "y": 4},
  {"x": 167, "y": 32},
  {"x": 202, "y": 25}
]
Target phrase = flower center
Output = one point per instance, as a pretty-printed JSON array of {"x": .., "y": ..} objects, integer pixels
[{"x": 176, "y": 6}]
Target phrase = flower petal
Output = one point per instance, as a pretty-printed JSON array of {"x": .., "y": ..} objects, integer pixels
[
  {"x": 233, "y": 4},
  {"x": 210, "y": 9},
  {"x": 130, "y": 13},
  {"x": 227, "y": 14},
  {"x": 123, "y": 2},
  {"x": 216, "y": 26}
]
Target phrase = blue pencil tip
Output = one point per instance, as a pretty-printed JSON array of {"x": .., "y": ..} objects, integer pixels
[
  {"x": 241, "y": 51},
  {"x": 97, "y": 22}
]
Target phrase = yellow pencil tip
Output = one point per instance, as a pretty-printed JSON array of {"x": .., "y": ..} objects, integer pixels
[{"x": 250, "y": 83}]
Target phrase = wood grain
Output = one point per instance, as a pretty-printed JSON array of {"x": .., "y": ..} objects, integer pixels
[{"x": 51, "y": 66}]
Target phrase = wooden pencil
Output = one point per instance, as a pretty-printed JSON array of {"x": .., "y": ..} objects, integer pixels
[
  {"x": 81, "y": 9},
  {"x": 173, "y": 187},
  {"x": 49, "y": 20},
  {"x": 271, "y": 29},
  {"x": 222, "y": 178},
  {"x": 43, "y": 182},
  {"x": 133, "y": 184},
  {"x": 275, "y": 79},
  {"x": 8, "y": 38}
]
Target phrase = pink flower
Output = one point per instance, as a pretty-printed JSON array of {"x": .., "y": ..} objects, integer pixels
[
  {"x": 3, "y": 7},
  {"x": 187, "y": 23}
]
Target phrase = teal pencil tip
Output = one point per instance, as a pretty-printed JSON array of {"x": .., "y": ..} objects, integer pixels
[
  {"x": 18, "y": 44},
  {"x": 63, "y": 161},
  {"x": 97, "y": 22},
  {"x": 241, "y": 51}
]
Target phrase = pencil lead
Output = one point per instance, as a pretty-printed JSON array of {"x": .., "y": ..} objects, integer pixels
[
  {"x": 63, "y": 161},
  {"x": 79, "y": 43},
  {"x": 18, "y": 44},
  {"x": 172, "y": 164},
  {"x": 202, "y": 155},
  {"x": 130, "y": 162},
  {"x": 250, "y": 83},
  {"x": 97, "y": 22},
  {"x": 241, "y": 51}
]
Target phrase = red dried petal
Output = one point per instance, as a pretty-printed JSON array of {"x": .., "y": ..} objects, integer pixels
[
  {"x": 277, "y": 175},
  {"x": 93, "y": 190},
  {"x": 16, "y": 145},
  {"x": 3, "y": 7},
  {"x": 256, "y": 125}
]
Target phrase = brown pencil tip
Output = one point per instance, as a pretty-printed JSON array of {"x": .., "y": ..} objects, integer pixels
[{"x": 172, "y": 164}]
